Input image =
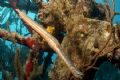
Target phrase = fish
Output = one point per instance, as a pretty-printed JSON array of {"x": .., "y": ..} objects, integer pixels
[{"x": 51, "y": 40}]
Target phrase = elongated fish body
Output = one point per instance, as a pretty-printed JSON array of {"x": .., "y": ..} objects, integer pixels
[{"x": 52, "y": 41}]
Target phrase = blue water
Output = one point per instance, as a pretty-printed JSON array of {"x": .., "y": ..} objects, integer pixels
[
  {"x": 0, "y": 75},
  {"x": 116, "y": 19},
  {"x": 107, "y": 71}
]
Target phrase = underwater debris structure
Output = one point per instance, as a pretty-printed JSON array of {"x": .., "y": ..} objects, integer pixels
[{"x": 88, "y": 38}]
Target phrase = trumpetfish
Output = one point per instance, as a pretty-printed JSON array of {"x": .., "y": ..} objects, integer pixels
[{"x": 52, "y": 41}]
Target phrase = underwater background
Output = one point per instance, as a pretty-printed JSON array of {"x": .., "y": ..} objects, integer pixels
[{"x": 10, "y": 21}]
